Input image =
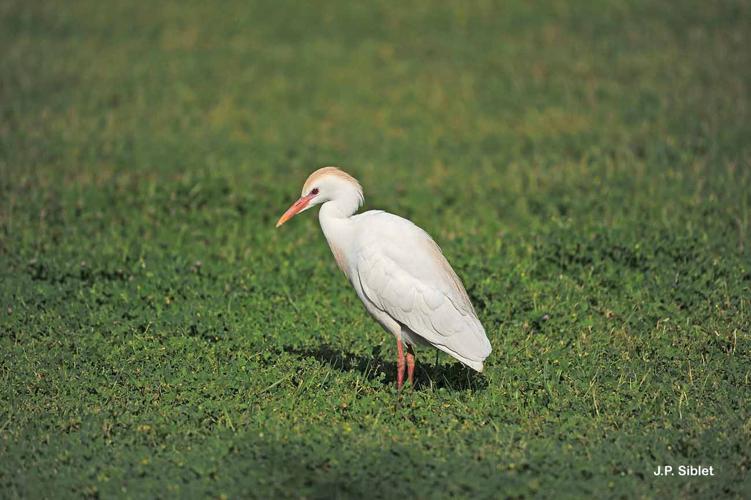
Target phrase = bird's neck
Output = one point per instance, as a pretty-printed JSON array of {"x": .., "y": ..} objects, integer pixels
[
  {"x": 342, "y": 206},
  {"x": 335, "y": 214}
]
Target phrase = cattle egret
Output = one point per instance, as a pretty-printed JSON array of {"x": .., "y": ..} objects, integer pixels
[{"x": 397, "y": 270}]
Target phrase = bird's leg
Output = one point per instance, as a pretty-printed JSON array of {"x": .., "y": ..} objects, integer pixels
[
  {"x": 410, "y": 365},
  {"x": 399, "y": 364}
]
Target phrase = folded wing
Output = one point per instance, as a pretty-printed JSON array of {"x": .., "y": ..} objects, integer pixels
[{"x": 404, "y": 273}]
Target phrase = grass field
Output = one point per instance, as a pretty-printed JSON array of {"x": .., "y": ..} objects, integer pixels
[{"x": 586, "y": 168}]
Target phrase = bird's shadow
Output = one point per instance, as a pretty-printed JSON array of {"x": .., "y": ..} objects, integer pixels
[{"x": 428, "y": 374}]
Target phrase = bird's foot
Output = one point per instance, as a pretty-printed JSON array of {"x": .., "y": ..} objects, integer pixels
[
  {"x": 410, "y": 365},
  {"x": 400, "y": 364}
]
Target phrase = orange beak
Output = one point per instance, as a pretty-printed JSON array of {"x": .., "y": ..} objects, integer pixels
[{"x": 295, "y": 209}]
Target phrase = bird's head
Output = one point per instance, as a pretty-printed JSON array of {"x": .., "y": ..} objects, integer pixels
[{"x": 327, "y": 184}]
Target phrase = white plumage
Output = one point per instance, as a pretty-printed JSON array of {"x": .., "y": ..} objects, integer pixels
[{"x": 397, "y": 270}]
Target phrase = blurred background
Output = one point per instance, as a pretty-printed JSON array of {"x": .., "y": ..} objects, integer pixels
[
  {"x": 549, "y": 98},
  {"x": 584, "y": 165}
]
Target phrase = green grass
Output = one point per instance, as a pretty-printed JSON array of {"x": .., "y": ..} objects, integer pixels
[{"x": 586, "y": 169}]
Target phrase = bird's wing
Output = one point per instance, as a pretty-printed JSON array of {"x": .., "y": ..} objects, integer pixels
[{"x": 403, "y": 272}]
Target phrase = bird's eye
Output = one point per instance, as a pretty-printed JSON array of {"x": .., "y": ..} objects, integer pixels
[{"x": 315, "y": 191}]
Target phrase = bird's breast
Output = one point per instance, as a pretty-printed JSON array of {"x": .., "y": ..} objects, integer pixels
[
  {"x": 340, "y": 235},
  {"x": 339, "y": 257}
]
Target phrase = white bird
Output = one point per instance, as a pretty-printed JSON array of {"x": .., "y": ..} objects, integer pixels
[{"x": 397, "y": 270}]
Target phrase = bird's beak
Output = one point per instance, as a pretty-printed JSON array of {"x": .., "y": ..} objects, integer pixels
[{"x": 295, "y": 209}]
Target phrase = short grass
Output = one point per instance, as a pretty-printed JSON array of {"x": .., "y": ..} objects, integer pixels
[{"x": 586, "y": 168}]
